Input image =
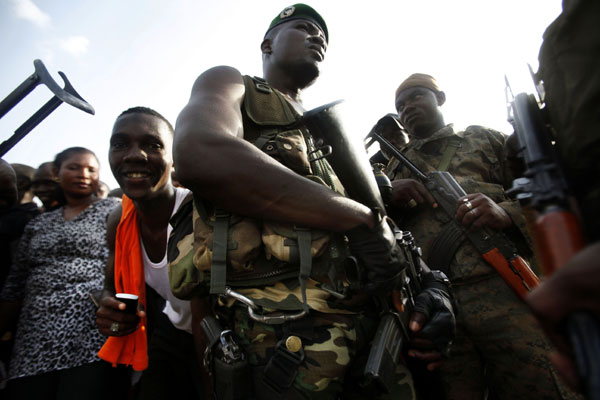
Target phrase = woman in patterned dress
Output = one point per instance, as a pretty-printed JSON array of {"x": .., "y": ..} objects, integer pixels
[{"x": 60, "y": 261}]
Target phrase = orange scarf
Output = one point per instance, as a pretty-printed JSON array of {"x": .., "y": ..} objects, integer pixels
[{"x": 129, "y": 278}]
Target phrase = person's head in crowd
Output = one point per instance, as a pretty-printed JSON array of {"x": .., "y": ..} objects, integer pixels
[
  {"x": 418, "y": 103},
  {"x": 77, "y": 169},
  {"x": 24, "y": 179},
  {"x": 116, "y": 193},
  {"x": 103, "y": 190},
  {"x": 284, "y": 46},
  {"x": 8, "y": 186},
  {"x": 140, "y": 153},
  {"x": 388, "y": 127},
  {"x": 45, "y": 185}
]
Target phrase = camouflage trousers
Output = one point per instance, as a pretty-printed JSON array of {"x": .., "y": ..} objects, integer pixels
[
  {"x": 498, "y": 346},
  {"x": 334, "y": 345}
]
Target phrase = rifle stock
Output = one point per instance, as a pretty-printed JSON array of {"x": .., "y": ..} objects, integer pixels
[{"x": 559, "y": 233}]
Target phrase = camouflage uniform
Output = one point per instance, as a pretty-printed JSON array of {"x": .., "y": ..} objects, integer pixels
[
  {"x": 495, "y": 331},
  {"x": 336, "y": 333}
]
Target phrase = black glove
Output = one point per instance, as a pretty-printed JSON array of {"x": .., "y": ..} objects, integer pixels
[
  {"x": 435, "y": 302},
  {"x": 379, "y": 254}
]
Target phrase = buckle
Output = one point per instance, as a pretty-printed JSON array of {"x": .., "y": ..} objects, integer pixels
[
  {"x": 261, "y": 87},
  {"x": 231, "y": 351}
]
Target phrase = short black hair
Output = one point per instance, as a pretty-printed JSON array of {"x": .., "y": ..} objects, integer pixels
[
  {"x": 147, "y": 111},
  {"x": 66, "y": 153},
  {"x": 62, "y": 157}
]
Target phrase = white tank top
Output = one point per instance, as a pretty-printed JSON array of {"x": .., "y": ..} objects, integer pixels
[{"x": 157, "y": 276}]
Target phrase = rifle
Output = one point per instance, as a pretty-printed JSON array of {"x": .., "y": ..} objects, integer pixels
[
  {"x": 558, "y": 231},
  {"x": 392, "y": 333},
  {"x": 494, "y": 246},
  {"x": 356, "y": 175},
  {"x": 41, "y": 75}
]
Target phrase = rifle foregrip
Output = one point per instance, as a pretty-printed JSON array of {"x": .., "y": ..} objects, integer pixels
[
  {"x": 559, "y": 237},
  {"x": 397, "y": 301},
  {"x": 517, "y": 274},
  {"x": 522, "y": 267}
]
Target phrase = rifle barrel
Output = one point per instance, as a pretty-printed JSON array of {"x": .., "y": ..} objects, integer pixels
[{"x": 389, "y": 146}]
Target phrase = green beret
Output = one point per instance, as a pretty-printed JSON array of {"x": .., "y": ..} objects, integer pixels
[
  {"x": 300, "y": 11},
  {"x": 422, "y": 80}
]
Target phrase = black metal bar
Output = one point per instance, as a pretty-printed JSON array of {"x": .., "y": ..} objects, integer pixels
[
  {"x": 31, "y": 123},
  {"x": 412, "y": 167},
  {"x": 19, "y": 93},
  {"x": 68, "y": 94}
]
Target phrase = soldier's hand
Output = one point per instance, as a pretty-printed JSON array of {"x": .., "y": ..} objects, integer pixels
[
  {"x": 476, "y": 210},
  {"x": 111, "y": 315},
  {"x": 377, "y": 251},
  {"x": 433, "y": 321},
  {"x": 408, "y": 193},
  {"x": 420, "y": 347},
  {"x": 574, "y": 287}
]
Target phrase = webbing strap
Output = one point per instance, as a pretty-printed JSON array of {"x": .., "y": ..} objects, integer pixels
[
  {"x": 281, "y": 370},
  {"x": 304, "y": 247},
  {"x": 218, "y": 269},
  {"x": 453, "y": 145}
]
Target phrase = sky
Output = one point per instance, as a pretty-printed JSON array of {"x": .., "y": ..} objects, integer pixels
[{"x": 124, "y": 53}]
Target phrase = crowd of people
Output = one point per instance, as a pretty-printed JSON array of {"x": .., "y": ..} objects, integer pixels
[{"x": 269, "y": 269}]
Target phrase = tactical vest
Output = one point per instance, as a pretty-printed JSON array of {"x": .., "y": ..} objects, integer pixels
[{"x": 211, "y": 248}]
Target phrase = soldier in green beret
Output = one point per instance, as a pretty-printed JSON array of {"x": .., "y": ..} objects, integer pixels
[{"x": 270, "y": 229}]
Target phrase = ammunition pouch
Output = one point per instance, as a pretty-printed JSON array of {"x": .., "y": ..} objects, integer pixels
[
  {"x": 283, "y": 242},
  {"x": 242, "y": 236},
  {"x": 289, "y": 148}
]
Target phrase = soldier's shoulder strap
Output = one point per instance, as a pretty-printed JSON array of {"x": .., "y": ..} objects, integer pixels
[{"x": 265, "y": 105}]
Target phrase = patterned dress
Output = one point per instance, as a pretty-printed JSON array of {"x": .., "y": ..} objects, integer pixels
[{"x": 59, "y": 263}]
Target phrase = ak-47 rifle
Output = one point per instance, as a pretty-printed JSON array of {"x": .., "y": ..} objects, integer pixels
[
  {"x": 558, "y": 231},
  {"x": 61, "y": 95},
  {"x": 494, "y": 246},
  {"x": 351, "y": 165}
]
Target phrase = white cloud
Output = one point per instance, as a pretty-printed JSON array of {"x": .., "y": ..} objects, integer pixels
[
  {"x": 27, "y": 10},
  {"x": 76, "y": 45}
]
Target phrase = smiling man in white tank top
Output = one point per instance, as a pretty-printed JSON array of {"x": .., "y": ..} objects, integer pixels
[{"x": 141, "y": 161}]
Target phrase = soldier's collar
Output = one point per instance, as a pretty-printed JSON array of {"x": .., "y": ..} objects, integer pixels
[{"x": 446, "y": 131}]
